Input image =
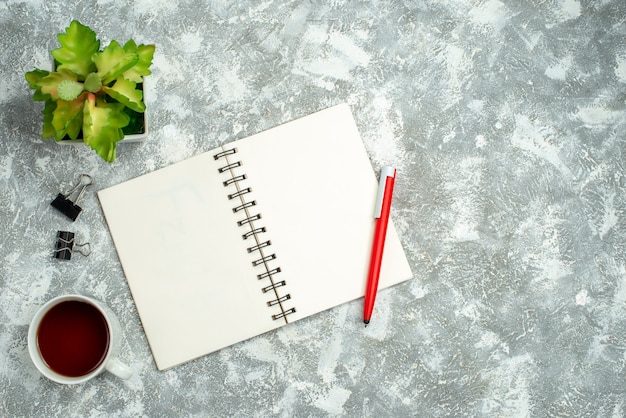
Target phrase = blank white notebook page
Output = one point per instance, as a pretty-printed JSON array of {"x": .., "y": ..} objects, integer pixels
[{"x": 317, "y": 193}]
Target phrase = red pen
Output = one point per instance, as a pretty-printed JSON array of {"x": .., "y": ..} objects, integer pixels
[{"x": 383, "y": 208}]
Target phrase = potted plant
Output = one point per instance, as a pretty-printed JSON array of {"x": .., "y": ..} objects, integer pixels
[{"x": 92, "y": 93}]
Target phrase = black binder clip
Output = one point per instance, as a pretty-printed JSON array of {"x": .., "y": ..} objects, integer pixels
[
  {"x": 66, "y": 245},
  {"x": 63, "y": 203}
]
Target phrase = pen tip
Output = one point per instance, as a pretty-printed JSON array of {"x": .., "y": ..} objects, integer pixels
[{"x": 366, "y": 321}]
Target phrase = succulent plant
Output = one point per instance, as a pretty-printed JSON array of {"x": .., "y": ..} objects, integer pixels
[{"x": 90, "y": 91}]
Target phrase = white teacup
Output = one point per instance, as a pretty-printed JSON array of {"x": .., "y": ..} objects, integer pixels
[{"x": 74, "y": 338}]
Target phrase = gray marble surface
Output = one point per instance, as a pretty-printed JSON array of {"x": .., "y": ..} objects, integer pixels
[{"x": 506, "y": 121}]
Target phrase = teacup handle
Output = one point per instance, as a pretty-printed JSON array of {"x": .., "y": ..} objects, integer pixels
[{"x": 119, "y": 369}]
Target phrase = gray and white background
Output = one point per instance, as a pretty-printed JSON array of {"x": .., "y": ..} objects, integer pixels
[{"x": 506, "y": 120}]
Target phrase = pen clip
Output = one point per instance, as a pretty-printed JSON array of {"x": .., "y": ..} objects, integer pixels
[{"x": 385, "y": 171}]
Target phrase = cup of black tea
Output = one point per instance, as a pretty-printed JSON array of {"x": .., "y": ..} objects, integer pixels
[{"x": 74, "y": 338}]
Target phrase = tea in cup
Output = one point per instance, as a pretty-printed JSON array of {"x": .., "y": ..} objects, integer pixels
[{"x": 74, "y": 338}]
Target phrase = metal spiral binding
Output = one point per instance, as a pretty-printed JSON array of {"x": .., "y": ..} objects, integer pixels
[
  {"x": 253, "y": 232},
  {"x": 239, "y": 193},
  {"x": 259, "y": 244}
]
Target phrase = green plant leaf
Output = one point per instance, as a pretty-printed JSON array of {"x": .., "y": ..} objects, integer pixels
[
  {"x": 118, "y": 118},
  {"x": 113, "y": 61},
  {"x": 33, "y": 78},
  {"x": 49, "y": 84},
  {"x": 67, "y": 117},
  {"x": 47, "y": 131},
  {"x": 69, "y": 89},
  {"x": 102, "y": 126},
  {"x": 93, "y": 83},
  {"x": 142, "y": 67},
  {"x": 124, "y": 91},
  {"x": 78, "y": 45}
]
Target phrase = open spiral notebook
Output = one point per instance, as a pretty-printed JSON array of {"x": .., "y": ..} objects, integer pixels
[{"x": 250, "y": 236}]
